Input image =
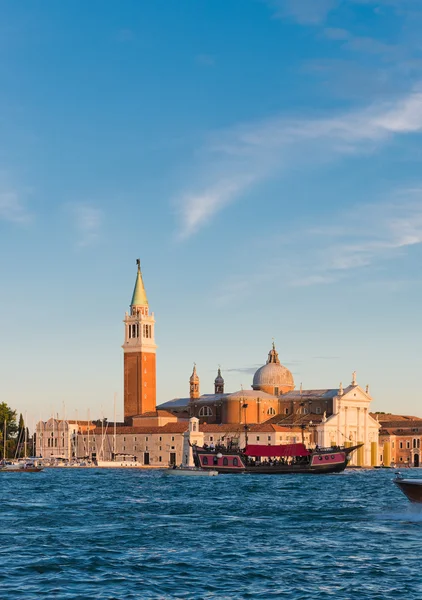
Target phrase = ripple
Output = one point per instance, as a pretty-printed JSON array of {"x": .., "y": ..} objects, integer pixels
[{"x": 113, "y": 534}]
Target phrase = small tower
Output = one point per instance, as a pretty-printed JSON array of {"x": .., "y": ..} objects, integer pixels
[
  {"x": 219, "y": 383},
  {"x": 194, "y": 384},
  {"x": 139, "y": 351}
]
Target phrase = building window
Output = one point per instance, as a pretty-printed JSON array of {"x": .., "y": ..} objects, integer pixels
[
  {"x": 160, "y": 448},
  {"x": 276, "y": 391},
  {"x": 419, "y": 443},
  {"x": 159, "y": 458},
  {"x": 269, "y": 438},
  {"x": 286, "y": 411},
  {"x": 401, "y": 458},
  {"x": 408, "y": 445},
  {"x": 392, "y": 444},
  {"x": 172, "y": 438},
  {"x": 146, "y": 439},
  {"x": 401, "y": 445},
  {"x": 161, "y": 439},
  {"x": 172, "y": 448},
  {"x": 205, "y": 412},
  {"x": 271, "y": 411},
  {"x": 134, "y": 448},
  {"x": 257, "y": 438},
  {"x": 211, "y": 438},
  {"x": 124, "y": 439},
  {"x": 318, "y": 410}
]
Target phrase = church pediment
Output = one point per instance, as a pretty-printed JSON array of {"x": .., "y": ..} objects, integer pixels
[{"x": 354, "y": 393}]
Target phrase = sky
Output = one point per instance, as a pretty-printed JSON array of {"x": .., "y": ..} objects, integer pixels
[{"x": 263, "y": 160}]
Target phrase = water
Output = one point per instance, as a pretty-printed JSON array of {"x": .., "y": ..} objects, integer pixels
[{"x": 139, "y": 534}]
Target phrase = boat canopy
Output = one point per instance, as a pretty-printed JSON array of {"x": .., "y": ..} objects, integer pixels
[{"x": 286, "y": 450}]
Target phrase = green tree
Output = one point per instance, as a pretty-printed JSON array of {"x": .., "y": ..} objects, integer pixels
[{"x": 7, "y": 415}]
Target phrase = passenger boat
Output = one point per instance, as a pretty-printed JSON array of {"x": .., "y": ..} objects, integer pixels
[
  {"x": 411, "y": 488},
  {"x": 274, "y": 460}
]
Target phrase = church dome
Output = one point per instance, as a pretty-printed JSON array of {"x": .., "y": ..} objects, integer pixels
[{"x": 273, "y": 377}]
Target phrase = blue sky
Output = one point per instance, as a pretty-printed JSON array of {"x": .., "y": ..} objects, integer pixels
[{"x": 261, "y": 157}]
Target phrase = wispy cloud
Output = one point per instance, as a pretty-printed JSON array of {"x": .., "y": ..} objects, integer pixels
[
  {"x": 305, "y": 12},
  {"x": 12, "y": 208},
  {"x": 88, "y": 221},
  {"x": 236, "y": 159},
  {"x": 380, "y": 232}
]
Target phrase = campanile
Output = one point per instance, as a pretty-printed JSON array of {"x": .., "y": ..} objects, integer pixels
[{"x": 139, "y": 354}]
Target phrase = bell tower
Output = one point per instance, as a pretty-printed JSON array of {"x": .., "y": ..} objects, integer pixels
[{"x": 139, "y": 351}]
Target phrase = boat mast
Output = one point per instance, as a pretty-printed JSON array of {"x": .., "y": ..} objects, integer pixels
[
  {"x": 24, "y": 439},
  {"x": 88, "y": 436},
  {"x": 114, "y": 432},
  {"x": 4, "y": 440}
]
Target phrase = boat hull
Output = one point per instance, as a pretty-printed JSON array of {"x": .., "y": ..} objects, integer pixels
[{"x": 411, "y": 488}]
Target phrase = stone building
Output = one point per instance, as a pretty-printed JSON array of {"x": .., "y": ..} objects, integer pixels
[
  {"x": 273, "y": 411},
  {"x": 400, "y": 440},
  {"x": 58, "y": 438}
]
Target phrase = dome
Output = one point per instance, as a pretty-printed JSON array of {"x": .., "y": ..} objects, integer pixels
[{"x": 273, "y": 377}]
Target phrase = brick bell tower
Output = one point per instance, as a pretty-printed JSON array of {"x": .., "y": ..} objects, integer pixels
[{"x": 139, "y": 352}]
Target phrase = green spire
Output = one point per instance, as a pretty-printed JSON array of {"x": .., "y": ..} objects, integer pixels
[{"x": 139, "y": 297}]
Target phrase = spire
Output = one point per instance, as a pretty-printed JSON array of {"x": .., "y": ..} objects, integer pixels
[
  {"x": 194, "y": 383},
  {"x": 219, "y": 383},
  {"x": 273, "y": 356},
  {"x": 139, "y": 297}
]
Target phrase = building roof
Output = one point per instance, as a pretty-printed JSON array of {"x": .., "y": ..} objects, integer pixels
[
  {"x": 139, "y": 297},
  {"x": 168, "y": 428},
  {"x": 323, "y": 394},
  {"x": 155, "y": 413},
  {"x": 295, "y": 420}
]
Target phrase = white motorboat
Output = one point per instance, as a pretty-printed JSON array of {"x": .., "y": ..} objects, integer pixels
[{"x": 190, "y": 471}]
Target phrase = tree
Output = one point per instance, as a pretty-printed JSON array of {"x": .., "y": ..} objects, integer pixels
[{"x": 7, "y": 415}]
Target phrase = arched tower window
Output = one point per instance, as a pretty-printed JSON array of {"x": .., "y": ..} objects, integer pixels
[{"x": 205, "y": 411}]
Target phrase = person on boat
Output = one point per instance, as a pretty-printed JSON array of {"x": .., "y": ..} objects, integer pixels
[{"x": 212, "y": 447}]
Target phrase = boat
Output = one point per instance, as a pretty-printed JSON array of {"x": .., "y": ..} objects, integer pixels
[
  {"x": 274, "y": 460},
  {"x": 19, "y": 467},
  {"x": 411, "y": 488},
  {"x": 193, "y": 471}
]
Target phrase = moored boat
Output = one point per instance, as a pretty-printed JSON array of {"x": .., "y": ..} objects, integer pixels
[
  {"x": 411, "y": 488},
  {"x": 19, "y": 467},
  {"x": 274, "y": 460}
]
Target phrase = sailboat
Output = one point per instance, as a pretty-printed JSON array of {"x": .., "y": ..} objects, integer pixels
[{"x": 24, "y": 466}]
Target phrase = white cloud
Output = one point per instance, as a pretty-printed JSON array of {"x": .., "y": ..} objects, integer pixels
[
  {"x": 12, "y": 208},
  {"x": 88, "y": 221},
  {"x": 238, "y": 158},
  {"x": 305, "y": 12}
]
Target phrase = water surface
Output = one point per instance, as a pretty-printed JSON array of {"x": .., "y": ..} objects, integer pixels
[{"x": 76, "y": 534}]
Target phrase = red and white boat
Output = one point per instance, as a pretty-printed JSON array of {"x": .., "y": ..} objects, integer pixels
[{"x": 273, "y": 460}]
